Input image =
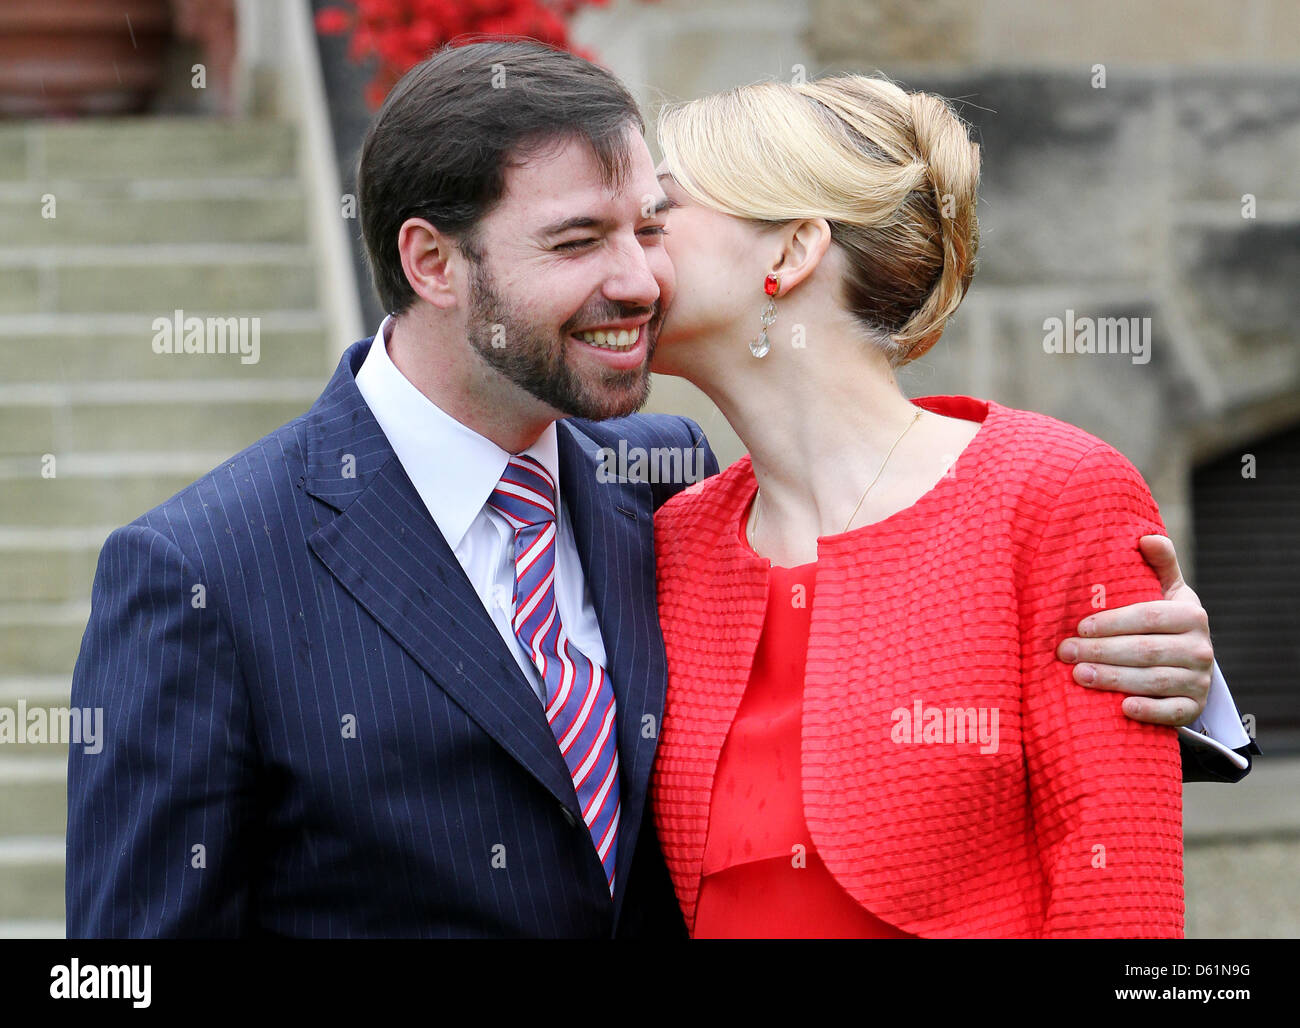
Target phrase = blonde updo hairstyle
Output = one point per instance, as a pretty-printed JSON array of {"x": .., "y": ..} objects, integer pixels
[{"x": 893, "y": 173}]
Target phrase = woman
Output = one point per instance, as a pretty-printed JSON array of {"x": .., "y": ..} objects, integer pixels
[{"x": 867, "y": 732}]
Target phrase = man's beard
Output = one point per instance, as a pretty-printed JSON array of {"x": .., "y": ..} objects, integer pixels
[{"x": 535, "y": 360}]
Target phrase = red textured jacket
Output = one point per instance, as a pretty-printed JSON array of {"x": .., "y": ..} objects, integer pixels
[{"x": 1071, "y": 825}]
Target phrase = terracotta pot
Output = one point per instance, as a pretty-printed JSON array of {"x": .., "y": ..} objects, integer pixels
[{"x": 75, "y": 57}]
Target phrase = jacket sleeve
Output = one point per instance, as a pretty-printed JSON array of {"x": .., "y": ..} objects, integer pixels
[
  {"x": 1204, "y": 763},
  {"x": 1105, "y": 791},
  {"x": 158, "y": 817}
]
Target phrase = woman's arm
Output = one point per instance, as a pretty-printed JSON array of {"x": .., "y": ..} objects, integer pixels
[{"x": 1105, "y": 791}]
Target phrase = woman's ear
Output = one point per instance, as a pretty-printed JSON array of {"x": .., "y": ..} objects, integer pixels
[{"x": 806, "y": 243}]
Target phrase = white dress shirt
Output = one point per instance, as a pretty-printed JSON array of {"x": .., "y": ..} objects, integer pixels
[
  {"x": 1220, "y": 720},
  {"x": 454, "y": 469}
]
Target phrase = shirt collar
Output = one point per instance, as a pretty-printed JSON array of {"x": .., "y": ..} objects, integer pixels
[{"x": 453, "y": 468}]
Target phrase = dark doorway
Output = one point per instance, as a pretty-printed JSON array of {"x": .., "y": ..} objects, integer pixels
[{"x": 1247, "y": 532}]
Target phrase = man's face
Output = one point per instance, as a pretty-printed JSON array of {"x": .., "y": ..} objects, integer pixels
[{"x": 568, "y": 298}]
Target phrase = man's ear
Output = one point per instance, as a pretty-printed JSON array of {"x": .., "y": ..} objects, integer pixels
[
  {"x": 430, "y": 261},
  {"x": 806, "y": 243}
]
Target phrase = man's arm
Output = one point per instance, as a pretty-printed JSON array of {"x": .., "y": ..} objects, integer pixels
[
  {"x": 1160, "y": 654},
  {"x": 157, "y": 816}
]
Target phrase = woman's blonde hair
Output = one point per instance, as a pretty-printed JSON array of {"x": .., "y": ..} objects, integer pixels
[{"x": 893, "y": 173}]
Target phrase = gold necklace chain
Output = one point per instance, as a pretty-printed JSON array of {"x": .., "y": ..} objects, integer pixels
[{"x": 753, "y": 528}]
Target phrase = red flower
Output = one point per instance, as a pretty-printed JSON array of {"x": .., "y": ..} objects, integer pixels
[
  {"x": 333, "y": 21},
  {"x": 401, "y": 33},
  {"x": 362, "y": 45},
  {"x": 424, "y": 36},
  {"x": 380, "y": 9}
]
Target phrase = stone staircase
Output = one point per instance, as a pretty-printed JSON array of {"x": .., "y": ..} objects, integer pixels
[{"x": 104, "y": 227}]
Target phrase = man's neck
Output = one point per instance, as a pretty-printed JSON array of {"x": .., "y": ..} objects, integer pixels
[{"x": 462, "y": 386}]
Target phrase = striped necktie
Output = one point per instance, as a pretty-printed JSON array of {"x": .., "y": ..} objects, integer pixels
[{"x": 579, "y": 697}]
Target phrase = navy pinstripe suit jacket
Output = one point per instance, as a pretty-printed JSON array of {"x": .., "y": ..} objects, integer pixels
[{"x": 312, "y": 726}]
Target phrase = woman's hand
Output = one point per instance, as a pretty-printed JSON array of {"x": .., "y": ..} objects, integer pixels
[{"x": 1158, "y": 652}]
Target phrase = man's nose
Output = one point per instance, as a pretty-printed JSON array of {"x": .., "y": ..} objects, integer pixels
[{"x": 632, "y": 281}]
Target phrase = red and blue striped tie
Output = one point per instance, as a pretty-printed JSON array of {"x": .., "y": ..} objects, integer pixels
[{"x": 579, "y": 697}]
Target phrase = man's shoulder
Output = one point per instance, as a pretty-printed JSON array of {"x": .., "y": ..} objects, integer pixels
[
  {"x": 667, "y": 451},
  {"x": 250, "y": 490},
  {"x": 641, "y": 430}
]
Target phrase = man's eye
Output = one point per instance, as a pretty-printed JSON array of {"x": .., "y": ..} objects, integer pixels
[
  {"x": 574, "y": 244},
  {"x": 656, "y": 230}
]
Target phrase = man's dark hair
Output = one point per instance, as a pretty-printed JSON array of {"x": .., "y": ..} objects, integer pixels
[{"x": 439, "y": 147}]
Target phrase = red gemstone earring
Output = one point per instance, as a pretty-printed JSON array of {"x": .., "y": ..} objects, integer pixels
[{"x": 760, "y": 346}]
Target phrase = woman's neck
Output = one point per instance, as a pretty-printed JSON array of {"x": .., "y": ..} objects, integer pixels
[{"x": 818, "y": 423}]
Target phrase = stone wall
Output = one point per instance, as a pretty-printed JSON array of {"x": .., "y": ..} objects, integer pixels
[
  {"x": 1036, "y": 32},
  {"x": 1129, "y": 201}
]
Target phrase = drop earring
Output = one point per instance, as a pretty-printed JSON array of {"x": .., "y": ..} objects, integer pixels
[{"x": 760, "y": 346}]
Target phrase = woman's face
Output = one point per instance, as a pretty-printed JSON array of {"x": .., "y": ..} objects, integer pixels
[{"x": 719, "y": 264}]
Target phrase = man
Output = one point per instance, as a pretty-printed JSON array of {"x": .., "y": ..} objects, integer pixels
[{"x": 395, "y": 670}]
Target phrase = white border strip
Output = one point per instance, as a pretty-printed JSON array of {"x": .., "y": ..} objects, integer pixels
[{"x": 303, "y": 96}]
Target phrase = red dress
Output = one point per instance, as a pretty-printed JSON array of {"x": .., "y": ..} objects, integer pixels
[
  {"x": 955, "y": 780},
  {"x": 762, "y": 877}
]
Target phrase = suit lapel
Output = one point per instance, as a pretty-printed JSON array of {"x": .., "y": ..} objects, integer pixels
[
  {"x": 386, "y": 550},
  {"x": 613, "y": 528}
]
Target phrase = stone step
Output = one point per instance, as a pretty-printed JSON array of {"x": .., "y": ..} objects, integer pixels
[
  {"x": 22, "y": 695},
  {"x": 41, "y": 639},
  {"x": 96, "y": 489},
  {"x": 31, "y": 887},
  {"x": 222, "y": 280},
  {"x": 144, "y": 148},
  {"x": 44, "y": 573},
  {"x": 49, "y": 729},
  {"x": 110, "y": 215},
  {"x": 32, "y": 929},
  {"x": 46, "y": 690},
  {"x": 99, "y": 348},
  {"x": 44, "y": 728},
  {"x": 33, "y": 798},
  {"x": 168, "y": 417}
]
